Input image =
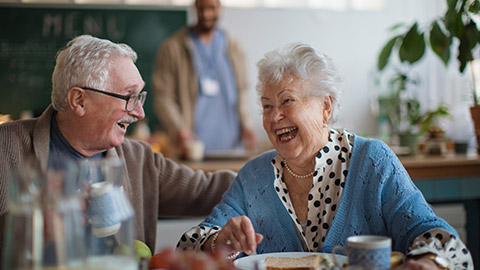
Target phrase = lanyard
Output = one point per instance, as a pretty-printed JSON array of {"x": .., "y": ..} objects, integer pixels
[{"x": 207, "y": 57}]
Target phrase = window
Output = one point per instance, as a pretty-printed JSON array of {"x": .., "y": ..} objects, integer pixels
[{"x": 316, "y": 4}]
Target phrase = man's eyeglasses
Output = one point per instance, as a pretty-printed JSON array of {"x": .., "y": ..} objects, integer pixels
[{"x": 132, "y": 99}]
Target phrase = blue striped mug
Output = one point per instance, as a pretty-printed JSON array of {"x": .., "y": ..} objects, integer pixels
[{"x": 366, "y": 252}]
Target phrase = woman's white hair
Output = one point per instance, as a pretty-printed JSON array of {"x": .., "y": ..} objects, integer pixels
[
  {"x": 316, "y": 70},
  {"x": 84, "y": 62}
]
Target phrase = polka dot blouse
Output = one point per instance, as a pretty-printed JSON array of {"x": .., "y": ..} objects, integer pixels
[{"x": 328, "y": 182}]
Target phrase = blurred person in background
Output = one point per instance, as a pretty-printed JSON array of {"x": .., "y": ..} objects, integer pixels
[
  {"x": 96, "y": 94},
  {"x": 200, "y": 84}
]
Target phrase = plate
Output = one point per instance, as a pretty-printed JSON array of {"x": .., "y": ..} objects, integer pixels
[{"x": 248, "y": 263}]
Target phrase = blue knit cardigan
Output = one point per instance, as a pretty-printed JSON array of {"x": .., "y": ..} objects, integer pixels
[{"x": 379, "y": 198}]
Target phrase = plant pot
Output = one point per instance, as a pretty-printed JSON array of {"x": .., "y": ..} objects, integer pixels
[
  {"x": 435, "y": 147},
  {"x": 409, "y": 140},
  {"x": 475, "y": 111},
  {"x": 460, "y": 148}
]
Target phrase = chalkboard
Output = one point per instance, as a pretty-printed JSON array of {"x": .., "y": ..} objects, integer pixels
[{"x": 30, "y": 37}]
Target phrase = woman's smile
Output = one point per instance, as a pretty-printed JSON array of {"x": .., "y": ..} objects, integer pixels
[{"x": 286, "y": 134}]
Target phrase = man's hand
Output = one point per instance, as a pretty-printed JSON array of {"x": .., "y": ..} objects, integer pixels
[
  {"x": 249, "y": 139},
  {"x": 182, "y": 140}
]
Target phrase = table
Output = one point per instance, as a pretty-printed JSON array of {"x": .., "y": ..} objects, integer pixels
[
  {"x": 428, "y": 167},
  {"x": 419, "y": 167},
  {"x": 442, "y": 179},
  {"x": 451, "y": 179}
]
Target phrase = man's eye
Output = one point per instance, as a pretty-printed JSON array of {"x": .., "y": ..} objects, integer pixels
[
  {"x": 266, "y": 106},
  {"x": 287, "y": 100}
]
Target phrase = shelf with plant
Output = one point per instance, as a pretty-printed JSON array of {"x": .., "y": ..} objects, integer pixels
[
  {"x": 408, "y": 122},
  {"x": 456, "y": 31}
]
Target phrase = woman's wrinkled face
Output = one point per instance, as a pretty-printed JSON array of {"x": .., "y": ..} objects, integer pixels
[{"x": 294, "y": 120}]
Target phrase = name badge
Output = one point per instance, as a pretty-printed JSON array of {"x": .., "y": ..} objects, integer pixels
[{"x": 210, "y": 87}]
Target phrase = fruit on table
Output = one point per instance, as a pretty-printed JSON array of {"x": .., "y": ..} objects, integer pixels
[
  {"x": 122, "y": 249},
  {"x": 190, "y": 260},
  {"x": 142, "y": 250},
  {"x": 164, "y": 259}
]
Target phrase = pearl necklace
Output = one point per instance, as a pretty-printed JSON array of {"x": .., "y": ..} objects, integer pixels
[{"x": 296, "y": 175}]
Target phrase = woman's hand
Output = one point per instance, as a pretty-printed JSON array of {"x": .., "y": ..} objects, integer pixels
[
  {"x": 238, "y": 235},
  {"x": 418, "y": 264}
]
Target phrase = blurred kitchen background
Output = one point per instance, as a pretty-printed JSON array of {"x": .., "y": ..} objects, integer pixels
[{"x": 351, "y": 32}]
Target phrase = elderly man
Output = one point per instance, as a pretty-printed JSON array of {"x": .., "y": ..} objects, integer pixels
[{"x": 96, "y": 94}]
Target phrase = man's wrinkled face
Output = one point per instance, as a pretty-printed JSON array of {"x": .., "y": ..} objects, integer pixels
[
  {"x": 208, "y": 12},
  {"x": 107, "y": 116}
]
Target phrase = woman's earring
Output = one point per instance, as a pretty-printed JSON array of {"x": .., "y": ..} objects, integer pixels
[{"x": 325, "y": 125}]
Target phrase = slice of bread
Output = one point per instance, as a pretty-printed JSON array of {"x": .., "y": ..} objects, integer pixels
[{"x": 309, "y": 262}]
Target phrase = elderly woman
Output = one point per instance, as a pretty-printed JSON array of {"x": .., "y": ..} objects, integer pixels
[{"x": 320, "y": 185}]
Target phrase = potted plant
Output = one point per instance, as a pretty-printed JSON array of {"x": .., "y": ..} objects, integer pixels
[
  {"x": 457, "y": 23},
  {"x": 392, "y": 105},
  {"x": 406, "y": 119}
]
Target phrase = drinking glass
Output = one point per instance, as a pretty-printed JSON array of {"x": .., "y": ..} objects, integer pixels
[
  {"x": 44, "y": 229},
  {"x": 110, "y": 229},
  {"x": 23, "y": 242},
  {"x": 63, "y": 243}
]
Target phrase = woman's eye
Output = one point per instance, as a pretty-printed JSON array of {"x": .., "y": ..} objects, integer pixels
[
  {"x": 266, "y": 106},
  {"x": 287, "y": 100}
]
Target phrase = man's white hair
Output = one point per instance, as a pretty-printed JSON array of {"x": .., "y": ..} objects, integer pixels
[{"x": 85, "y": 62}]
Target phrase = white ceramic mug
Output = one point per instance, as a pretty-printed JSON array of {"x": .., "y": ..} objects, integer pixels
[
  {"x": 105, "y": 220},
  {"x": 366, "y": 252},
  {"x": 195, "y": 150},
  {"x": 108, "y": 204}
]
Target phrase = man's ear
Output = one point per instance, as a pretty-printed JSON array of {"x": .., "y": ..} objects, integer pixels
[{"x": 76, "y": 100}]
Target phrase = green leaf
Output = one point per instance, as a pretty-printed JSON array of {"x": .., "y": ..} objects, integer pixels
[
  {"x": 474, "y": 7},
  {"x": 452, "y": 4},
  {"x": 451, "y": 14},
  {"x": 431, "y": 118},
  {"x": 453, "y": 22},
  {"x": 395, "y": 26},
  {"x": 468, "y": 41},
  {"x": 414, "y": 115},
  {"x": 413, "y": 45},
  {"x": 385, "y": 54},
  {"x": 440, "y": 42}
]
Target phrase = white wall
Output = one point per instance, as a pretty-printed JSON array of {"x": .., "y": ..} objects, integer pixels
[
  {"x": 169, "y": 231},
  {"x": 353, "y": 39}
]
